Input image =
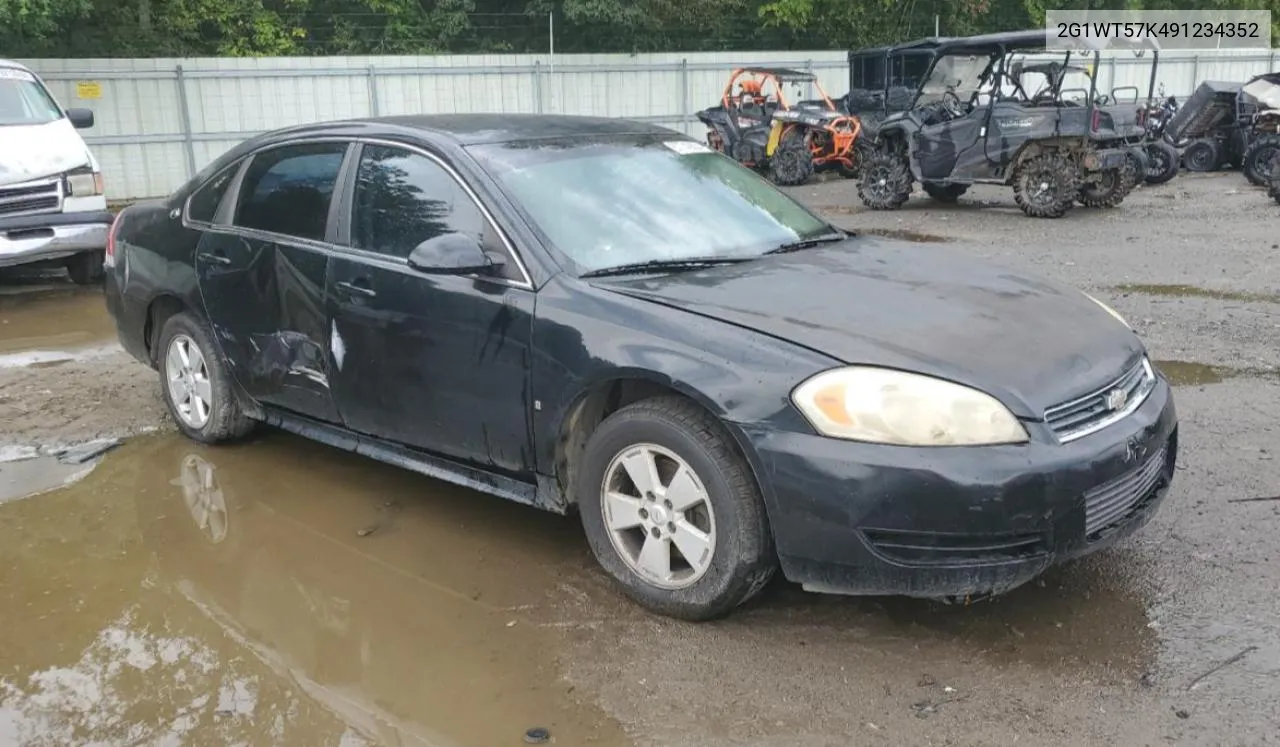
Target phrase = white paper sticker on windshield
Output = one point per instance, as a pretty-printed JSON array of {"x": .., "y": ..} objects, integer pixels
[
  {"x": 9, "y": 73},
  {"x": 687, "y": 147}
]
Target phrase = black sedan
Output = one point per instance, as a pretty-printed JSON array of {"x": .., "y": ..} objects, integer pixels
[{"x": 605, "y": 316}]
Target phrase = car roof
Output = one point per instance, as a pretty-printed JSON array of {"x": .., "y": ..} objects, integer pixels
[
  {"x": 487, "y": 128},
  {"x": 14, "y": 65}
]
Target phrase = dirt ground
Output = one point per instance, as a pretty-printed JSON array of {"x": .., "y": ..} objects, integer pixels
[{"x": 281, "y": 592}]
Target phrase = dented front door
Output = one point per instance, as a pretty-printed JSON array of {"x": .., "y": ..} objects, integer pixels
[{"x": 265, "y": 300}]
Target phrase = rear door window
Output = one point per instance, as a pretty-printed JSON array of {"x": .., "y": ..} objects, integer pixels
[{"x": 288, "y": 190}]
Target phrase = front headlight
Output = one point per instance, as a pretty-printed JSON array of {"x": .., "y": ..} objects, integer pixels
[
  {"x": 894, "y": 407},
  {"x": 1109, "y": 310}
]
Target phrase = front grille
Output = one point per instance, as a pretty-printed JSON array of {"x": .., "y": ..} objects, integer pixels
[
  {"x": 31, "y": 198},
  {"x": 1113, "y": 502},
  {"x": 1100, "y": 408},
  {"x": 925, "y": 548}
]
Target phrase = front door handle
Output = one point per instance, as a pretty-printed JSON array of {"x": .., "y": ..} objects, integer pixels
[
  {"x": 359, "y": 287},
  {"x": 215, "y": 256}
]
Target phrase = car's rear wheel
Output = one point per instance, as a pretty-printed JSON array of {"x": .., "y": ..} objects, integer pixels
[
  {"x": 945, "y": 192},
  {"x": 196, "y": 384},
  {"x": 1257, "y": 160},
  {"x": 1046, "y": 185},
  {"x": 1201, "y": 156},
  {"x": 1111, "y": 188},
  {"x": 85, "y": 268},
  {"x": 1162, "y": 162},
  {"x": 672, "y": 511},
  {"x": 885, "y": 181}
]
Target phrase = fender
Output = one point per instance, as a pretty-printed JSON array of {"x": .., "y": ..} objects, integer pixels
[{"x": 775, "y": 137}]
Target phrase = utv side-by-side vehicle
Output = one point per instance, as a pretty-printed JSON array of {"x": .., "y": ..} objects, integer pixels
[
  {"x": 1235, "y": 123},
  {"x": 972, "y": 121},
  {"x": 756, "y": 124},
  {"x": 883, "y": 80}
]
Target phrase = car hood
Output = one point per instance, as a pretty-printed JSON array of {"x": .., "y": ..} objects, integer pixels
[
  {"x": 1028, "y": 341},
  {"x": 33, "y": 151}
]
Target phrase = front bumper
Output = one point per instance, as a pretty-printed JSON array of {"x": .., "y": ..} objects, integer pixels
[
  {"x": 54, "y": 236},
  {"x": 953, "y": 522}
]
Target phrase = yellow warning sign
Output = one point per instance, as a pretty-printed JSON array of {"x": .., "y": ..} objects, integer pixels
[{"x": 88, "y": 89}]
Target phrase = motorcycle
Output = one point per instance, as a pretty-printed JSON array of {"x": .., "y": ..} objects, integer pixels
[{"x": 1162, "y": 157}]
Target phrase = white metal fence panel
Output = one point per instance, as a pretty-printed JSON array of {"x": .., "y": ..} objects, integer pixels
[{"x": 160, "y": 120}]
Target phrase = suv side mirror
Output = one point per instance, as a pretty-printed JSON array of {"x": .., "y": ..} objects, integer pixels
[
  {"x": 454, "y": 254},
  {"x": 81, "y": 119}
]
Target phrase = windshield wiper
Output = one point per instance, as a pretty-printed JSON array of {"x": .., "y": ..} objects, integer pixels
[
  {"x": 672, "y": 265},
  {"x": 811, "y": 241}
]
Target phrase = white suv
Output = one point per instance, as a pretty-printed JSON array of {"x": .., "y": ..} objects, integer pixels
[{"x": 52, "y": 205}]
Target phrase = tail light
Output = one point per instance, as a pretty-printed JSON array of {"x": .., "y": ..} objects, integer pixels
[
  {"x": 1142, "y": 117},
  {"x": 109, "y": 258},
  {"x": 1096, "y": 123}
]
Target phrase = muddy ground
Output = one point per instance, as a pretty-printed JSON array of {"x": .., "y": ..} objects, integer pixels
[{"x": 280, "y": 592}]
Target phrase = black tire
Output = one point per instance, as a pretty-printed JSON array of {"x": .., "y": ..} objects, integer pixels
[
  {"x": 86, "y": 268},
  {"x": 1273, "y": 188},
  {"x": 944, "y": 192},
  {"x": 1163, "y": 162},
  {"x": 1116, "y": 185},
  {"x": 1046, "y": 185},
  {"x": 1257, "y": 160},
  {"x": 791, "y": 164},
  {"x": 225, "y": 420},
  {"x": 885, "y": 181},
  {"x": 743, "y": 558},
  {"x": 1202, "y": 156}
]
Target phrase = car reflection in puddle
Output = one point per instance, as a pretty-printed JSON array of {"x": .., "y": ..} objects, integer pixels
[{"x": 193, "y": 595}]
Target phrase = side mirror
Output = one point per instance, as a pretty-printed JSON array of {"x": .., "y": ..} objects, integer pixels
[
  {"x": 81, "y": 119},
  {"x": 454, "y": 254}
]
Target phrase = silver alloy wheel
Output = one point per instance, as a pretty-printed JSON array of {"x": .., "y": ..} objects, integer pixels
[
  {"x": 203, "y": 497},
  {"x": 188, "y": 378},
  {"x": 659, "y": 516}
]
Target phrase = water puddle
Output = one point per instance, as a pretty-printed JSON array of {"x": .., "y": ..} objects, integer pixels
[
  {"x": 1188, "y": 373},
  {"x": 903, "y": 234},
  {"x": 280, "y": 592},
  {"x": 1193, "y": 291},
  {"x": 51, "y": 320}
]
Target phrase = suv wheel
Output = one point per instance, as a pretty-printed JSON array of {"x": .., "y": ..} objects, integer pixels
[
  {"x": 945, "y": 192},
  {"x": 1257, "y": 160},
  {"x": 85, "y": 268},
  {"x": 885, "y": 181},
  {"x": 1202, "y": 155},
  {"x": 1046, "y": 185},
  {"x": 196, "y": 384},
  {"x": 672, "y": 512}
]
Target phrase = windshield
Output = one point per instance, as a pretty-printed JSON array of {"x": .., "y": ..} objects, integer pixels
[
  {"x": 960, "y": 73},
  {"x": 609, "y": 204},
  {"x": 1264, "y": 92},
  {"x": 24, "y": 101}
]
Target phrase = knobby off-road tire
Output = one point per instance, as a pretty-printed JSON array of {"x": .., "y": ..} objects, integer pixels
[
  {"x": 186, "y": 352},
  {"x": 791, "y": 164},
  {"x": 1115, "y": 186},
  {"x": 1258, "y": 159},
  {"x": 742, "y": 558},
  {"x": 1202, "y": 156},
  {"x": 1046, "y": 185},
  {"x": 945, "y": 192},
  {"x": 1164, "y": 162},
  {"x": 1273, "y": 187},
  {"x": 885, "y": 181}
]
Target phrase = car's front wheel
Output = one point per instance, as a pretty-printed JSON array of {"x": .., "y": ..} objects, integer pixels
[
  {"x": 196, "y": 384},
  {"x": 672, "y": 511}
]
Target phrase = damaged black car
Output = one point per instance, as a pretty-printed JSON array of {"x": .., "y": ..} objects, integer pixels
[{"x": 606, "y": 317}]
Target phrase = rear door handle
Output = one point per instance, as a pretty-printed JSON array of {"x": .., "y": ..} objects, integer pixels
[{"x": 359, "y": 287}]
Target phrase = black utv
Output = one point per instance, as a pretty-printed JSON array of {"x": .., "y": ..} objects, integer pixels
[
  {"x": 972, "y": 120},
  {"x": 1235, "y": 123}
]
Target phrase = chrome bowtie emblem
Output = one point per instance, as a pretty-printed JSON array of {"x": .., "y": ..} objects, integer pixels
[{"x": 1116, "y": 399}]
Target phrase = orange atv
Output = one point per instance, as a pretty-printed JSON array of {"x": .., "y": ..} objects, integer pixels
[{"x": 756, "y": 125}]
